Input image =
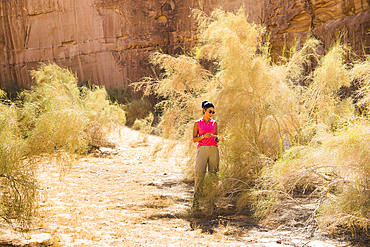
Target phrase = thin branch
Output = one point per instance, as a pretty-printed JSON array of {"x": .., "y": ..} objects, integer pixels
[
  {"x": 289, "y": 196},
  {"x": 323, "y": 196}
]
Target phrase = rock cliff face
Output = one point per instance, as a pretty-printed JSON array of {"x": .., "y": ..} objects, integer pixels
[
  {"x": 288, "y": 20},
  {"x": 105, "y": 41},
  {"x": 108, "y": 41}
]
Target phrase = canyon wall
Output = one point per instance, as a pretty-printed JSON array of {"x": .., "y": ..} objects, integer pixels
[
  {"x": 108, "y": 41},
  {"x": 327, "y": 20}
]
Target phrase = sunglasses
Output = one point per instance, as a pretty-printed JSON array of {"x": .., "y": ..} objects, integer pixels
[{"x": 212, "y": 112}]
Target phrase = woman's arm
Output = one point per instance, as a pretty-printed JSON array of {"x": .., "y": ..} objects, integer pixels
[{"x": 196, "y": 138}]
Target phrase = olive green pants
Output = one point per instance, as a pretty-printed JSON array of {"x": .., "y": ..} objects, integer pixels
[{"x": 207, "y": 156}]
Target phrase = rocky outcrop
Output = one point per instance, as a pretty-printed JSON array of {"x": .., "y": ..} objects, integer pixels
[
  {"x": 327, "y": 20},
  {"x": 109, "y": 41},
  {"x": 105, "y": 41}
]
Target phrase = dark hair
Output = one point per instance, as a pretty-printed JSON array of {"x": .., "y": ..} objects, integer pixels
[{"x": 206, "y": 105}]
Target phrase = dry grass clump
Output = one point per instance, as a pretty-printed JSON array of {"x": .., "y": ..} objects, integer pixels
[
  {"x": 55, "y": 117},
  {"x": 18, "y": 185},
  {"x": 334, "y": 168},
  {"x": 348, "y": 189},
  {"x": 290, "y": 130}
]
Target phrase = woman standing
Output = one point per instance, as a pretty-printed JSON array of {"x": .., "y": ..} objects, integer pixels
[{"x": 205, "y": 134}]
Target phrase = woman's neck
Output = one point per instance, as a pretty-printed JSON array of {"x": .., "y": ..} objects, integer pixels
[{"x": 207, "y": 120}]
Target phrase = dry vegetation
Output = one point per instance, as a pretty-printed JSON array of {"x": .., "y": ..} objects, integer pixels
[
  {"x": 292, "y": 130},
  {"x": 135, "y": 195},
  {"x": 54, "y": 119},
  {"x": 294, "y": 137},
  {"x": 131, "y": 193}
]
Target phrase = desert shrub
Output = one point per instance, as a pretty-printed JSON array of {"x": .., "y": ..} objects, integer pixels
[
  {"x": 103, "y": 116},
  {"x": 51, "y": 115},
  {"x": 255, "y": 108},
  {"x": 120, "y": 96},
  {"x": 18, "y": 184},
  {"x": 137, "y": 109},
  {"x": 331, "y": 162},
  {"x": 289, "y": 131},
  {"x": 55, "y": 117},
  {"x": 144, "y": 125}
]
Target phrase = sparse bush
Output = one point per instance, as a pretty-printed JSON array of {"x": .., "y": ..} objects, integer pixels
[
  {"x": 288, "y": 130},
  {"x": 17, "y": 200},
  {"x": 120, "y": 96},
  {"x": 144, "y": 125},
  {"x": 102, "y": 115},
  {"x": 137, "y": 109},
  {"x": 55, "y": 117},
  {"x": 255, "y": 108}
]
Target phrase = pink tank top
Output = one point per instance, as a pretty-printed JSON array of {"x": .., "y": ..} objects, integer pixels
[{"x": 203, "y": 128}]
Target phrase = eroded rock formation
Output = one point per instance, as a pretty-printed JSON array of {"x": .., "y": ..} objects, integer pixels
[
  {"x": 289, "y": 20},
  {"x": 108, "y": 41}
]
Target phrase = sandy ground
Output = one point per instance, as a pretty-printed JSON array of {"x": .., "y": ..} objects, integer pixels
[{"x": 134, "y": 195}]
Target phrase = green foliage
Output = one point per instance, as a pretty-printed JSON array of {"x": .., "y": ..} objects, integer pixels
[
  {"x": 55, "y": 117},
  {"x": 288, "y": 131}
]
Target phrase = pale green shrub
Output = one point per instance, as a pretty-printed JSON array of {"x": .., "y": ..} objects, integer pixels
[
  {"x": 17, "y": 181},
  {"x": 56, "y": 117},
  {"x": 59, "y": 115}
]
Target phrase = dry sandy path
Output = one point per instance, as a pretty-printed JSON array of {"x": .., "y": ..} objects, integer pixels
[{"x": 134, "y": 195}]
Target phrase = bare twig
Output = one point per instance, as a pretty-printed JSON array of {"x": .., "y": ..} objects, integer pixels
[
  {"x": 322, "y": 198},
  {"x": 305, "y": 243},
  {"x": 289, "y": 196}
]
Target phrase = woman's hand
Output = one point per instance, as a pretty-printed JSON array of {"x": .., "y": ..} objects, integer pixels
[
  {"x": 221, "y": 138},
  {"x": 207, "y": 135}
]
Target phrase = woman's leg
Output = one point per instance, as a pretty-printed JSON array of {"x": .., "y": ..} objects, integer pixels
[
  {"x": 213, "y": 166},
  {"x": 201, "y": 161},
  {"x": 214, "y": 158}
]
